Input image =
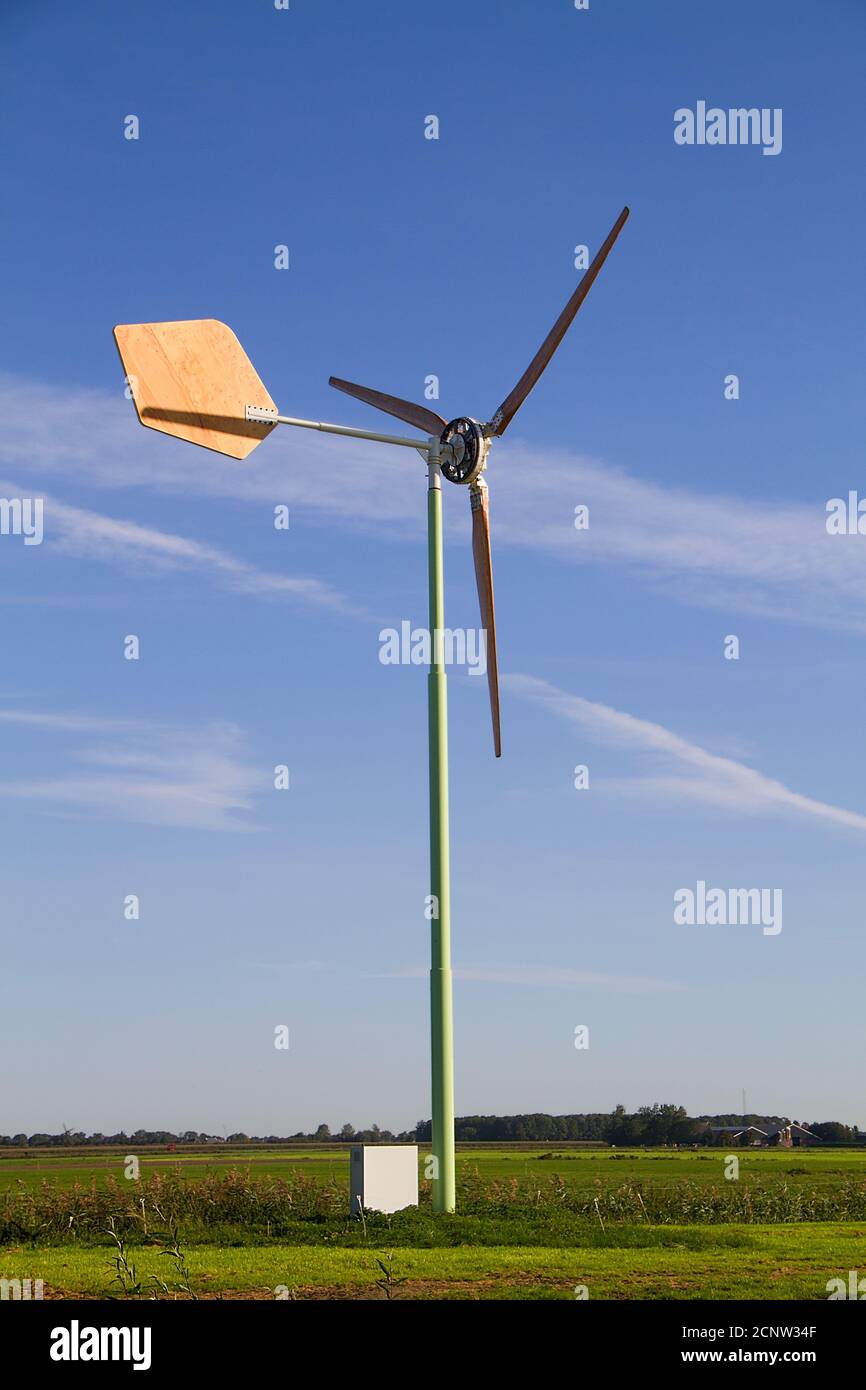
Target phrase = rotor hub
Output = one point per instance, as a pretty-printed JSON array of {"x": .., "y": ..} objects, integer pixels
[{"x": 464, "y": 449}]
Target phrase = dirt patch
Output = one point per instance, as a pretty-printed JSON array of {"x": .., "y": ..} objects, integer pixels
[{"x": 354, "y": 1293}]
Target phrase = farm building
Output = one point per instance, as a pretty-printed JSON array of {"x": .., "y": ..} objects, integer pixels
[
  {"x": 735, "y": 1134},
  {"x": 789, "y": 1136},
  {"x": 793, "y": 1136}
]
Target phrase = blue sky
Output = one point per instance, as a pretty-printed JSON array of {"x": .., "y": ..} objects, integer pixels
[{"x": 411, "y": 257}]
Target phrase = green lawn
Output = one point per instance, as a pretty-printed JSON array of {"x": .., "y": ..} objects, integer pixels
[{"x": 777, "y": 1262}]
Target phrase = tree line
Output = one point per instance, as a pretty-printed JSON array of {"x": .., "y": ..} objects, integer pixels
[{"x": 650, "y": 1125}]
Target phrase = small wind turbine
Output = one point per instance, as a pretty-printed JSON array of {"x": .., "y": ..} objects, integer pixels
[{"x": 193, "y": 380}]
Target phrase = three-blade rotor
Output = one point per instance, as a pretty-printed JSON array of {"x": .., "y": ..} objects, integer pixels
[{"x": 452, "y": 440}]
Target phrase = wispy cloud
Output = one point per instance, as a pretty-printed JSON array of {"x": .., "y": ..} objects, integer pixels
[
  {"x": 533, "y": 976},
  {"x": 94, "y": 437},
  {"x": 689, "y": 772},
  {"x": 79, "y": 532},
  {"x": 153, "y": 774},
  {"x": 768, "y": 557},
  {"x": 562, "y": 976},
  {"x": 304, "y": 967}
]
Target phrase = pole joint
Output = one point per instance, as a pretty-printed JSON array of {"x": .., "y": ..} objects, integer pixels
[{"x": 434, "y": 471}]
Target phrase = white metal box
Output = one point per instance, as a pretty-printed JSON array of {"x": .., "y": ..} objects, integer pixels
[{"x": 384, "y": 1177}]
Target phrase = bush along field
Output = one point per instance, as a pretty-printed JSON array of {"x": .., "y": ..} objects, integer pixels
[{"x": 563, "y": 1226}]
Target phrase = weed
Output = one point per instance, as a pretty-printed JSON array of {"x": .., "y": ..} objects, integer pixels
[
  {"x": 389, "y": 1281},
  {"x": 125, "y": 1274}
]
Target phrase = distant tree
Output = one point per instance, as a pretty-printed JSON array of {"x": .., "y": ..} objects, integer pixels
[
  {"x": 323, "y": 1132},
  {"x": 833, "y": 1132},
  {"x": 347, "y": 1132}
]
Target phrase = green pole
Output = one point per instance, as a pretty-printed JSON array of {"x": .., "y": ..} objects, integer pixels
[{"x": 441, "y": 1031}]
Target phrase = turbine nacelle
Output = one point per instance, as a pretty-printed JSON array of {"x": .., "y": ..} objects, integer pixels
[{"x": 463, "y": 448}]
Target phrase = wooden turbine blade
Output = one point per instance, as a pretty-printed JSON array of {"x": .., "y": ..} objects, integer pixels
[
  {"x": 412, "y": 414},
  {"x": 512, "y": 403},
  {"x": 480, "y": 502}
]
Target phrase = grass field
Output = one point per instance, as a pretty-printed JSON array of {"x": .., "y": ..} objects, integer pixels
[
  {"x": 741, "y": 1262},
  {"x": 579, "y": 1168},
  {"x": 531, "y": 1224}
]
